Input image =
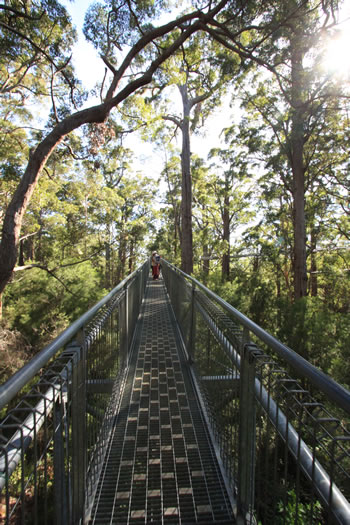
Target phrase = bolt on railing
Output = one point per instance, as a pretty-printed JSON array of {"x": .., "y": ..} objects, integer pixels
[
  {"x": 52, "y": 443},
  {"x": 280, "y": 423}
]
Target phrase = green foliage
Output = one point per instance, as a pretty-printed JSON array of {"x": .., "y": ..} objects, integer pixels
[
  {"x": 294, "y": 511},
  {"x": 111, "y": 24},
  {"x": 14, "y": 351},
  {"x": 310, "y": 326},
  {"x": 34, "y": 36},
  {"x": 40, "y": 307},
  {"x": 318, "y": 334},
  {"x": 95, "y": 210}
]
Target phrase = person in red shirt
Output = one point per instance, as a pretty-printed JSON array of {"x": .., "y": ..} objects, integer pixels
[{"x": 155, "y": 265}]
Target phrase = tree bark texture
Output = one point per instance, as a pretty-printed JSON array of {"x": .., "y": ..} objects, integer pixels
[
  {"x": 313, "y": 267},
  {"x": 298, "y": 172},
  {"x": 186, "y": 187},
  {"x": 24, "y": 191},
  {"x": 206, "y": 262},
  {"x": 225, "y": 264}
]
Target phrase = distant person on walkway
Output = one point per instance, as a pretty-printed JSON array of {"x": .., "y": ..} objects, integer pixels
[{"x": 155, "y": 265}]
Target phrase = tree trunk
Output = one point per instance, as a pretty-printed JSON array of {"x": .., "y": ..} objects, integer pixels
[
  {"x": 206, "y": 262},
  {"x": 21, "y": 253},
  {"x": 21, "y": 198},
  {"x": 297, "y": 163},
  {"x": 131, "y": 257},
  {"x": 176, "y": 235},
  {"x": 96, "y": 114},
  {"x": 186, "y": 190},
  {"x": 30, "y": 249},
  {"x": 313, "y": 268},
  {"x": 121, "y": 255},
  {"x": 225, "y": 264},
  {"x": 107, "y": 266}
]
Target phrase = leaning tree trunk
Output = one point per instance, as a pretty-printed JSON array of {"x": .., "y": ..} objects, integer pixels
[
  {"x": 298, "y": 171},
  {"x": 21, "y": 198},
  {"x": 186, "y": 190},
  {"x": 96, "y": 114}
]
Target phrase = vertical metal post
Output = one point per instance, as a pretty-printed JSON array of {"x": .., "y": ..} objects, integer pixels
[
  {"x": 247, "y": 431},
  {"x": 126, "y": 288},
  {"x": 192, "y": 341},
  {"x": 121, "y": 329},
  {"x": 60, "y": 480},
  {"x": 78, "y": 415},
  {"x": 140, "y": 281}
]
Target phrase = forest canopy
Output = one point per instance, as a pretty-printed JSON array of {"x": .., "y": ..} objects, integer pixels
[{"x": 262, "y": 217}]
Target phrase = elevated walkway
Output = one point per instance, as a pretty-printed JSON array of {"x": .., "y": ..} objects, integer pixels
[
  {"x": 109, "y": 423},
  {"x": 160, "y": 466}
]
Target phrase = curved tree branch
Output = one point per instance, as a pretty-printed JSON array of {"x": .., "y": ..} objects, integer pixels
[
  {"x": 41, "y": 51},
  {"x": 96, "y": 114}
]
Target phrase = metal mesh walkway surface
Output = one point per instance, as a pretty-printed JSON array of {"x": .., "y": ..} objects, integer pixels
[{"x": 160, "y": 465}]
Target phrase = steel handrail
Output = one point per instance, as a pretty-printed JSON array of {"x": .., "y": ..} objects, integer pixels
[
  {"x": 25, "y": 374},
  {"x": 312, "y": 467},
  {"x": 325, "y": 383}
]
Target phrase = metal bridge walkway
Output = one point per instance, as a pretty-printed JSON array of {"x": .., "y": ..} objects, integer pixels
[{"x": 160, "y": 465}]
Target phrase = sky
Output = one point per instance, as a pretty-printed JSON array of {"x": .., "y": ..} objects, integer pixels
[{"x": 90, "y": 69}]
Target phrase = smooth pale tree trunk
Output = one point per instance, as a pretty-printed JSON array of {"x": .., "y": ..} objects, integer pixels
[
  {"x": 186, "y": 190},
  {"x": 131, "y": 257},
  {"x": 176, "y": 237},
  {"x": 298, "y": 171},
  {"x": 206, "y": 262},
  {"x": 313, "y": 267},
  {"x": 108, "y": 266}
]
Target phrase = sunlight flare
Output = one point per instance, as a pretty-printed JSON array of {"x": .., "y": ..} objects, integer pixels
[{"x": 337, "y": 56}]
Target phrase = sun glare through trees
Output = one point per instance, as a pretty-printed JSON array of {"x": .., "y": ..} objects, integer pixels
[{"x": 259, "y": 213}]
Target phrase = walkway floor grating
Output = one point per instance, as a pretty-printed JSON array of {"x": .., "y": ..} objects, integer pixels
[{"x": 160, "y": 466}]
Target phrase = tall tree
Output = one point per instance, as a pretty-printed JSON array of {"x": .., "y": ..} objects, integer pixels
[
  {"x": 199, "y": 84},
  {"x": 121, "y": 27},
  {"x": 231, "y": 190},
  {"x": 282, "y": 47}
]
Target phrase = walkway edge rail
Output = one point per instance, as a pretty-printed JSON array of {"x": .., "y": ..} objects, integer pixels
[
  {"x": 233, "y": 336},
  {"x": 331, "y": 388},
  {"x": 311, "y": 467},
  {"x": 25, "y": 374},
  {"x": 54, "y": 437}
]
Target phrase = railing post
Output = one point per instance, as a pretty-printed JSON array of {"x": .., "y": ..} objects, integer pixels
[
  {"x": 247, "y": 431},
  {"x": 60, "y": 478},
  {"x": 124, "y": 342},
  {"x": 192, "y": 344},
  {"x": 78, "y": 415}
]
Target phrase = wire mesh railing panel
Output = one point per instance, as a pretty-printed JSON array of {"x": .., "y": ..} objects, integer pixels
[
  {"x": 309, "y": 451},
  {"x": 28, "y": 436},
  {"x": 53, "y": 440},
  {"x": 180, "y": 293},
  {"x": 219, "y": 384},
  {"x": 281, "y": 424}
]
